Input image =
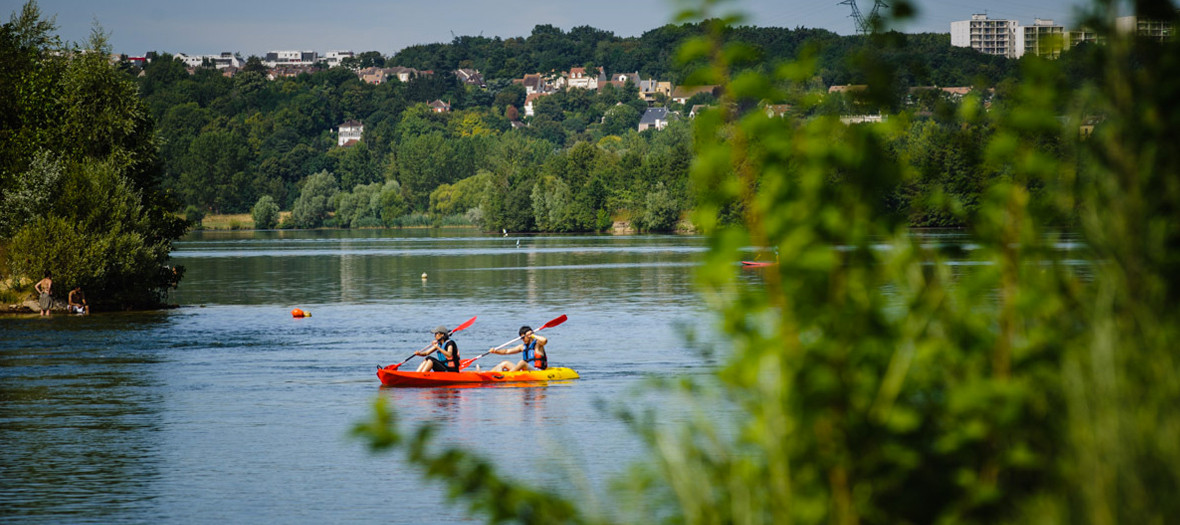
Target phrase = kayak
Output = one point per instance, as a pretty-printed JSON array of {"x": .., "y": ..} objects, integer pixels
[
  {"x": 390, "y": 377},
  {"x": 757, "y": 264}
]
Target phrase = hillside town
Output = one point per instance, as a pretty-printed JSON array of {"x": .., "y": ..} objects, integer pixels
[{"x": 999, "y": 37}]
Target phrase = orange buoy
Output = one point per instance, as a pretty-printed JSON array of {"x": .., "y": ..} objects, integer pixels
[{"x": 299, "y": 313}]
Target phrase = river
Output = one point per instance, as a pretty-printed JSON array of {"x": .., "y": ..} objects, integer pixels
[{"x": 228, "y": 409}]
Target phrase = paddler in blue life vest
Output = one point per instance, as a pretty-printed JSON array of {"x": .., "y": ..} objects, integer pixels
[
  {"x": 446, "y": 350},
  {"x": 533, "y": 347}
]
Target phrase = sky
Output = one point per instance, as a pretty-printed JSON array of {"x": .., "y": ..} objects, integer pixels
[{"x": 253, "y": 27}]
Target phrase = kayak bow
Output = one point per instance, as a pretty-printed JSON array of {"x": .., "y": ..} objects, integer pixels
[{"x": 395, "y": 378}]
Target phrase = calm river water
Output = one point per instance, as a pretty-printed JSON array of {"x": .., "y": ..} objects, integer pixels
[{"x": 230, "y": 410}]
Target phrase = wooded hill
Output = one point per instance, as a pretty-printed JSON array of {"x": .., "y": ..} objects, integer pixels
[{"x": 227, "y": 142}]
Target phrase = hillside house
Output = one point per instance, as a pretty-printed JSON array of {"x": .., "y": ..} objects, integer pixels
[
  {"x": 438, "y": 106},
  {"x": 530, "y": 103},
  {"x": 656, "y": 118},
  {"x": 578, "y": 77},
  {"x": 470, "y": 77},
  {"x": 349, "y": 133},
  {"x": 681, "y": 94}
]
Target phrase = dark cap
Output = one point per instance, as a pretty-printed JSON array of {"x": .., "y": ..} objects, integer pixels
[{"x": 440, "y": 329}]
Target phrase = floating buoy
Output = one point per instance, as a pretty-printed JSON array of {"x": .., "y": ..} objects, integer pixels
[
  {"x": 423, "y": 276},
  {"x": 299, "y": 313}
]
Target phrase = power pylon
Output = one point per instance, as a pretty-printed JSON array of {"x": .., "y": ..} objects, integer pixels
[{"x": 865, "y": 25}]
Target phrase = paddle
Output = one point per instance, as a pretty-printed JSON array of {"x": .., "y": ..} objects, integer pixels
[
  {"x": 467, "y": 362},
  {"x": 466, "y": 324}
]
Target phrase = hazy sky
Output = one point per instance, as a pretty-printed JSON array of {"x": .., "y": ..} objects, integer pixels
[{"x": 253, "y": 27}]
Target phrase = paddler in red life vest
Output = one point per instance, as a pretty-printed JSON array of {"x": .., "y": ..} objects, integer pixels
[
  {"x": 447, "y": 352},
  {"x": 533, "y": 347}
]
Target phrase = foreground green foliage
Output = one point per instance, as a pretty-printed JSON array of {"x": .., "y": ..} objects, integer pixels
[
  {"x": 875, "y": 381},
  {"x": 78, "y": 171}
]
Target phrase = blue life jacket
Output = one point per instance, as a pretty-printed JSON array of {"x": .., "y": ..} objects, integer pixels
[
  {"x": 540, "y": 362},
  {"x": 453, "y": 361}
]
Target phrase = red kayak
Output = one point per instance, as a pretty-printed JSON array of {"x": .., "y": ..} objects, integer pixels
[
  {"x": 757, "y": 264},
  {"x": 396, "y": 378}
]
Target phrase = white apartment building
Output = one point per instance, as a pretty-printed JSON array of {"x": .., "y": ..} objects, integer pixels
[
  {"x": 289, "y": 58},
  {"x": 333, "y": 58},
  {"x": 220, "y": 61},
  {"x": 986, "y": 35},
  {"x": 1160, "y": 30},
  {"x": 1043, "y": 38}
]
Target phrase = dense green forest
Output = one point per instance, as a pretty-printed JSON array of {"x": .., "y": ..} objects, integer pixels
[{"x": 578, "y": 164}]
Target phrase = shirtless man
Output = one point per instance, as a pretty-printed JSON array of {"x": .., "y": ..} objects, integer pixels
[
  {"x": 43, "y": 288},
  {"x": 77, "y": 301}
]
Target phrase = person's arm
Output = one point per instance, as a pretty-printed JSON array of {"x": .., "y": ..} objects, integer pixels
[
  {"x": 433, "y": 348},
  {"x": 448, "y": 349},
  {"x": 506, "y": 351}
]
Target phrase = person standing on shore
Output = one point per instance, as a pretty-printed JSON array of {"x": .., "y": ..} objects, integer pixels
[{"x": 44, "y": 287}]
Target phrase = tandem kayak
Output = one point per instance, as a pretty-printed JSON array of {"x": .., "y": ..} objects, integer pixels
[{"x": 390, "y": 377}]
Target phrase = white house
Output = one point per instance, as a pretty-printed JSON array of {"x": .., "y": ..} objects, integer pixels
[
  {"x": 289, "y": 58},
  {"x": 334, "y": 58},
  {"x": 220, "y": 61},
  {"x": 349, "y": 132}
]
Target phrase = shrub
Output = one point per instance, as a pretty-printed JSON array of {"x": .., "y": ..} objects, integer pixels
[{"x": 265, "y": 213}]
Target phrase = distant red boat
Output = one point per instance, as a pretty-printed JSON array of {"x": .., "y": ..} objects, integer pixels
[{"x": 758, "y": 264}]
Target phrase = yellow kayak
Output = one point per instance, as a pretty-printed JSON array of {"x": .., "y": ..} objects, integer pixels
[{"x": 396, "y": 378}]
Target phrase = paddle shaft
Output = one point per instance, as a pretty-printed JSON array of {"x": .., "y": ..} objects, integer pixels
[{"x": 467, "y": 362}]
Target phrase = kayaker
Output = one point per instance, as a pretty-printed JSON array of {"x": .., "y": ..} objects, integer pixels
[
  {"x": 533, "y": 347},
  {"x": 445, "y": 348}
]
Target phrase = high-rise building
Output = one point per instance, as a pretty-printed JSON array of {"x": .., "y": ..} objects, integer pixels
[
  {"x": 986, "y": 35},
  {"x": 1043, "y": 38},
  {"x": 1160, "y": 30}
]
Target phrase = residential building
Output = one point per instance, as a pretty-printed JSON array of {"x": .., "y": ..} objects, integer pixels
[
  {"x": 438, "y": 106},
  {"x": 289, "y": 58},
  {"x": 289, "y": 71},
  {"x": 1043, "y": 38},
  {"x": 471, "y": 77},
  {"x": 849, "y": 88},
  {"x": 533, "y": 83},
  {"x": 335, "y": 58},
  {"x": 681, "y": 94},
  {"x": 1160, "y": 30},
  {"x": 648, "y": 89},
  {"x": 986, "y": 35},
  {"x": 654, "y": 118},
  {"x": 1081, "y": 36},
  {"x": 776, "y": 110},
  {"x": 379, "y": 75},
  {"x": 578, "y": 77},
  {"x": 349, "y": 133},
  {"x": 220, "y": 61},
  {"x": 529, "y": 103}
]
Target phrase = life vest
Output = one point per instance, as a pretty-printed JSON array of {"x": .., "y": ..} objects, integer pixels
[
  {"x": 540, "y": 362},
  {"x": 452, "y": 362}
]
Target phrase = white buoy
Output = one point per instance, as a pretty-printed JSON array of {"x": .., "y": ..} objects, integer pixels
[{"x": 423, "y": 276}]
